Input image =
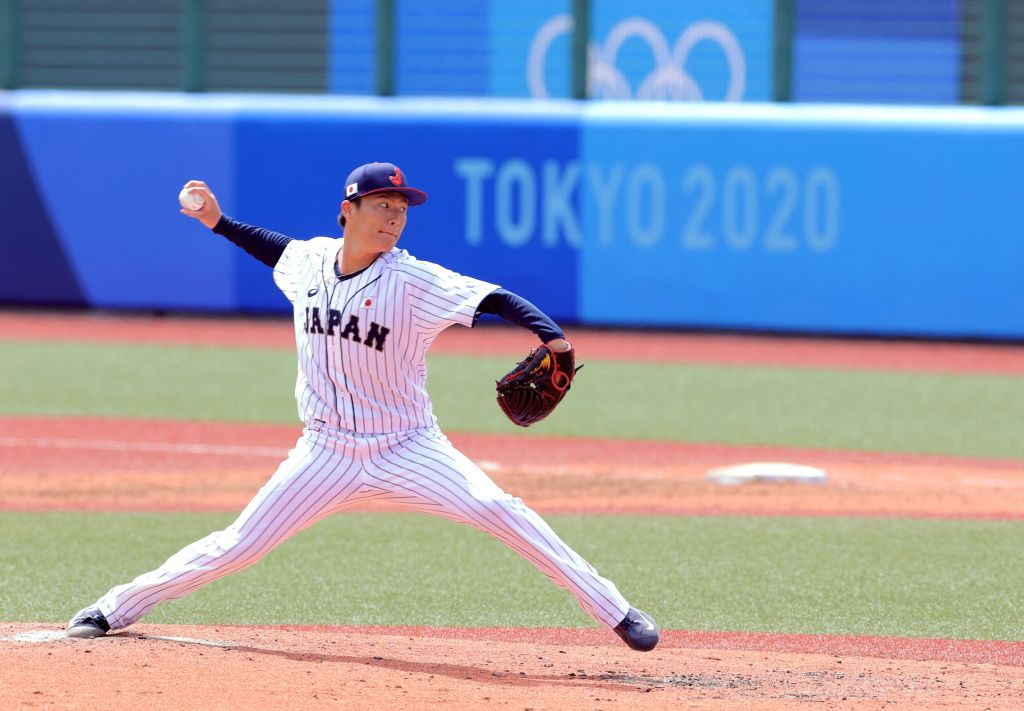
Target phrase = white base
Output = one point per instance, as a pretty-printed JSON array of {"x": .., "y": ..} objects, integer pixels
[{"x": 767, "y": 471}]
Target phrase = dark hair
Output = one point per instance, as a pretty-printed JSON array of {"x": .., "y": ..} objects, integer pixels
[{"x": 341, "y": 215}]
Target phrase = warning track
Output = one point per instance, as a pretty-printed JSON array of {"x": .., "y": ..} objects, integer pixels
[{"x": 647, "y": 346}]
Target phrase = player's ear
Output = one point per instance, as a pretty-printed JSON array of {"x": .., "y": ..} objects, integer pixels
[{"x": 346, "y": 209}]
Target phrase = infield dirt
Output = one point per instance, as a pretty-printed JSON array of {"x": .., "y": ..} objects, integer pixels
[{"x": 153, "y": 465}]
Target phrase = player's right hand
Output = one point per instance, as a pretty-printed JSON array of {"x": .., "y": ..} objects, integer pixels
[{"x": 210, "y": 213}]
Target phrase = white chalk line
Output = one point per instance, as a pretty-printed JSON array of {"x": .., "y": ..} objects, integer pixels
[
  {"x": 226, "y": 450},
  {"x": 45, "y": 636},
  {"x": 35, "y": 636},
  {"x": 150, "y": 447},
  {"x": 192, "y": 640}
]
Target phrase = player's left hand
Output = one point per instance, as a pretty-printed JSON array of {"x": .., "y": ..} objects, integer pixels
[{"x": 535, "y": 387}]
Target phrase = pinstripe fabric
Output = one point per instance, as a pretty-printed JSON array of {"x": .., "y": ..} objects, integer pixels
[
  {"x": 329, "y": 470},
  {"x": 370, "y": 432},
  {"x": 307, "y": 486},
  {"x": 344, "y": 379},
  {"x": 425, "y": 472}
]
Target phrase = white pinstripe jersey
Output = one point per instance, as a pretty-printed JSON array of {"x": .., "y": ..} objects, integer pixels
[{"x": 362, "y": 340}]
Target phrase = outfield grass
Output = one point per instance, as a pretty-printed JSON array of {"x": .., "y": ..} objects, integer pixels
[
  {"x": 956, "y": 414},
  {"x": 951, "y": 579}
]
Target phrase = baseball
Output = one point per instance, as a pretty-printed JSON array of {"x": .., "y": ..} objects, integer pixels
[{"x": 190, "y": 201}]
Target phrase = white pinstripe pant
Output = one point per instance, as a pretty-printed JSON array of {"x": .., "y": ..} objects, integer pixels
[{"x": 328, "y": 471}]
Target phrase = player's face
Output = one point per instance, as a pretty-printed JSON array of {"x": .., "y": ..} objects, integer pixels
[{"x": 379, "y": 219}]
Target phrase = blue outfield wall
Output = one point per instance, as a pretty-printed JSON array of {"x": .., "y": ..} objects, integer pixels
[{"x": 834, "y": 219}]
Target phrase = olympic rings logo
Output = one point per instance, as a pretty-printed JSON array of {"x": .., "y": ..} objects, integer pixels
[{"x": 668, "y": 81}]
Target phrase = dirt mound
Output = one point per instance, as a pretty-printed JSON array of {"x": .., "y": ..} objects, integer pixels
[{"x": 171, "y": 667}]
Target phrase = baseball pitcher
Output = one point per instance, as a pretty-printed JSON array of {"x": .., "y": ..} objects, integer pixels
[{"x": 365, "y": 314}]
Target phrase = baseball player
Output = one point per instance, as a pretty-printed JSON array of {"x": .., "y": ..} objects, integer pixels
[{"x": 365, "y": 314}]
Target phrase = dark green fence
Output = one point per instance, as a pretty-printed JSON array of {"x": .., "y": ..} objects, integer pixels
[
  {"x": 265, "y": 45},
  {"x": 190, "y": 45},
  {"x": 993, "y": 52}
]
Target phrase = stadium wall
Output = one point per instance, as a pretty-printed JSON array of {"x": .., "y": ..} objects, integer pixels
[{"x": 790, "y": 218}]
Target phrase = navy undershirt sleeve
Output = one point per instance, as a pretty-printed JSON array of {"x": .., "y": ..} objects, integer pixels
[
  {"x": 266, "y": 245},
  {"x": 517, "y": 310}
]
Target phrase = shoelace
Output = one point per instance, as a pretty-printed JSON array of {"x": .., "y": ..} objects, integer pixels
[{"x": 89, "y": 619}]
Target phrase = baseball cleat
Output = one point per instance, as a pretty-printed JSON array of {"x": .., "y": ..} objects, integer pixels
[
  {"x": 638, "y": 630},
  {"x": 88, "y": 623}
]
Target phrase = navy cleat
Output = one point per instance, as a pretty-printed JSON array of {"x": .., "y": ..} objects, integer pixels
[
  {"x": 88, "y": 623},
  {"x": 638, "y": 630}
]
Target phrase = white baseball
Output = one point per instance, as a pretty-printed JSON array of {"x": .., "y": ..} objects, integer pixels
[{"x": 191, "y": 201}]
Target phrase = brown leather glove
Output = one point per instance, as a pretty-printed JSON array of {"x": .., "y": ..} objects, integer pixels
[{"x": 531, "y": 390}]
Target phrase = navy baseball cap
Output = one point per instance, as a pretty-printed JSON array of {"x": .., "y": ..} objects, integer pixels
[{"x": 378, "y": 178}]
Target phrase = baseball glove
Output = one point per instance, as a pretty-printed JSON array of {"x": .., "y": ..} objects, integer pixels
[{"x": 531, "y": 390}]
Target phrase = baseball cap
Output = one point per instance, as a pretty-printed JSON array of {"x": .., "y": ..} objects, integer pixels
[{"x": 378, "y": 178}]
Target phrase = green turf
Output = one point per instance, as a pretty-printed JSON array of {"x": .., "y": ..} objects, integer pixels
[
  {"x": 951, "y": 579},
  {"x": 972, "y": 415},
  {"x": 189, "y": 382}
]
